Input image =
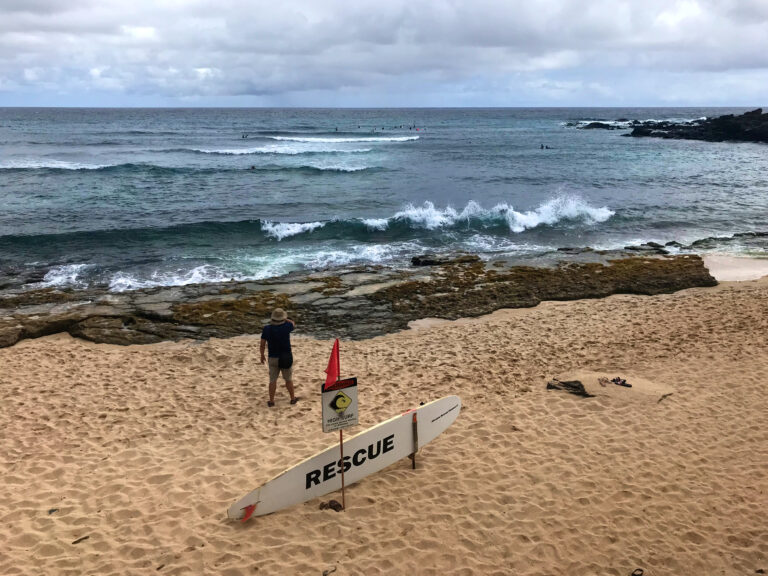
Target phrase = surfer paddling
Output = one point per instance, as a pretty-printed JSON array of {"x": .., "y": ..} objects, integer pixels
[{"x": 276, "y": 336}]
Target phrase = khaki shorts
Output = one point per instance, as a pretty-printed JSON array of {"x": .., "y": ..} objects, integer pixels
[{"x": 275, "y": 371}]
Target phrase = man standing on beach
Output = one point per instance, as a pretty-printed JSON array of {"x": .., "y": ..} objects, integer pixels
[{"x": 277, "y": 335}]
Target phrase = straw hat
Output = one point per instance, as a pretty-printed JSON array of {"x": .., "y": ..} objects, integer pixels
[{"x": 279, "y": 316}]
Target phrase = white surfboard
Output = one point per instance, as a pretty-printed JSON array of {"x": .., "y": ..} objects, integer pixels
[{"x": 368, "y": 452}]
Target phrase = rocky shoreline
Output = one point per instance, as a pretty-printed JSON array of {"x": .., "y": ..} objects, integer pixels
[
  {"x": 749, "y": 127},
  {"x": 353, "y": 303}
]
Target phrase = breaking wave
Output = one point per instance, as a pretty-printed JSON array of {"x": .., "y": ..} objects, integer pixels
[
  {"x": 328, "y": 140},
  {"x": 53, "y": 166},
  {"x": 276, "y": 149},
  {"x": 560, "y": 209}
]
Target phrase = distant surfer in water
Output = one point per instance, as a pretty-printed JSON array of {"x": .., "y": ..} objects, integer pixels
[{"x": 277, "y": 336}]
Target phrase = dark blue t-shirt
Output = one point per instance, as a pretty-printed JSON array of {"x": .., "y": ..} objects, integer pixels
[{"x": 278, "y": 337}]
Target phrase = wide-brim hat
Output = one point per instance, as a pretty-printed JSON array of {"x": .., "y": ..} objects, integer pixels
[{"x": 279, "y": 316}]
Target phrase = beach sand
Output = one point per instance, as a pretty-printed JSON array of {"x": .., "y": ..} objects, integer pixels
[{"x": 140, "y": 450}]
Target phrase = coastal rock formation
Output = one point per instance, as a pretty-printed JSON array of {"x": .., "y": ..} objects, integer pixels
[
  {"x": 358, "y": 303},
  {"x": 749, "y": 127}
]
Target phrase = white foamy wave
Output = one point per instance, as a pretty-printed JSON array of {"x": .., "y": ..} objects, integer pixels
[
  {"x": 553, "y": 211},
  {"x": 283, "y": 149},
  {"x": 325, "y": 167},
  {"x": 282, "y": 230},
  {"x": 64, "y": 275},
  {"x": 484, "y": 244},
  {"x": 41, "y": 163},
  {"x": 376, "y": 223},
  {"x": 335, "y": 140},
  {"x": 121, "y": 281},
  {"x": 549, "y": 213},
  {"x": 365, "y": 253},
  {"x": 626, "y": 124},
  {"x": 427, "y": 215}
]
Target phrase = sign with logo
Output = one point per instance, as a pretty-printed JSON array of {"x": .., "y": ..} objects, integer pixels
[{"x": 340, "y": 404}]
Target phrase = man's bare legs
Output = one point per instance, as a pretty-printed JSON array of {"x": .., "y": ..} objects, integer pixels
[
  {"x": 289, "y": 386},
  {"x": 273, "y": 389}
]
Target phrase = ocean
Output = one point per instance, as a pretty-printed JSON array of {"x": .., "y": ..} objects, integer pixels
[{"x": 134, "y": 198}]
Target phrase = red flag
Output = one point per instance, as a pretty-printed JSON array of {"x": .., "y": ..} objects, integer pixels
[{"x": 334, "y": 366}]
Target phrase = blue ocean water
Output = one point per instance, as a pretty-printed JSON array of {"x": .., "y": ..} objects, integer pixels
[{"x": 131, "y": 198}]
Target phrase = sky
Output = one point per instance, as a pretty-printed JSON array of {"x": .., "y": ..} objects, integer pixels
[{"x": 383, "y": 53}]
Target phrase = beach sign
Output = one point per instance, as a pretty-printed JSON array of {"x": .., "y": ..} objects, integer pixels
[
  {"x": 365, "y": 453},
  {"x": 339, "y": 405}
]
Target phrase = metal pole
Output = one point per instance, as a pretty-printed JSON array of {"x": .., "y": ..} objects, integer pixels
[
  {"x": 341, "y": 449},
  {"x": 415, "y": 439}
]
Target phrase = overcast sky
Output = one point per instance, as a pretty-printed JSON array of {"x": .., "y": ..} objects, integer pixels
[{"x": 383, "y": 52}]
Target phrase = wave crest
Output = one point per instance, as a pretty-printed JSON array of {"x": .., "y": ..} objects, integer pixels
[
  {"x": 561, "y": 208},
  {"x": 275, "y": 149},
  {"x": 280, "y": 230},
  {"x": 326, "y": 140}
]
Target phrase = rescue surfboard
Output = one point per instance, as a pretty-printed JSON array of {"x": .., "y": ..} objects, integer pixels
[{"x": 365, "y": 453}]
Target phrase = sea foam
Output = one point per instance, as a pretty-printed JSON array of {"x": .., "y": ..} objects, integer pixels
[
  {"x": 280, "y": 230},
  {"x": 561, "y": 208},
  {"x": 38, "y": 163},
  {"x": 282, "y": 149},
  {"x": 335, "y": 140}
]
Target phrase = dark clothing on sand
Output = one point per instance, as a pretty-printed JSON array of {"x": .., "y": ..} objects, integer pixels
[{"x": 278, "y": 337}]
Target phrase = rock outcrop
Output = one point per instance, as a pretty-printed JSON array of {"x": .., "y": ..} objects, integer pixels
[
  {"x": 749, "y": 127},
  {"x": 358, "y": 303}
]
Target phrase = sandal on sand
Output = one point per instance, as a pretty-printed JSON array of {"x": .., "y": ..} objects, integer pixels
[
  {"x": 621, "y": 382},
  {"x": 270, "y": 403},
  {"x": 295, "y": 400}
]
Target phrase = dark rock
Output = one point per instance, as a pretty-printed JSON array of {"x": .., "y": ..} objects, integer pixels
[
  {"x": 641, "y": 131},
  {"x": 598, "y": 126},
  {"x": 427, "y": 260},
  {"x": 80, "y": 540},
  {"x": 749, "y": 127},
  {"x": 648, "y": 247},
  {"x": 432, "y": 260},
  {"x": 335, "y": 505},
  {"x": 572, "y": 386},
  {"x": 575, "y": 250}
]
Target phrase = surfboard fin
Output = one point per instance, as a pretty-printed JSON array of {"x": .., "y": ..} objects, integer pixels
[{"x": 249, "y": 510}]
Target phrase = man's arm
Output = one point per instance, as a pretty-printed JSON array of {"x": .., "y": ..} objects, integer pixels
[{"x": 262, "y": 346}]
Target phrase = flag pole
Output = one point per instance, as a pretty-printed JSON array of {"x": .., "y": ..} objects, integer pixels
[{"x": 341, "y": 449}]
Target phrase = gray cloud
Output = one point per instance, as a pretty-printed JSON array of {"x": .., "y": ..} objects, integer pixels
[{"x": 484, "y": 52}]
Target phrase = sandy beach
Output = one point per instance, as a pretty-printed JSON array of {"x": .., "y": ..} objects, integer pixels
[{"x": 123, "y": 460}]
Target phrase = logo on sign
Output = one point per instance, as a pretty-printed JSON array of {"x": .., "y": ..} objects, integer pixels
[{"x": 341, "y": 402}]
